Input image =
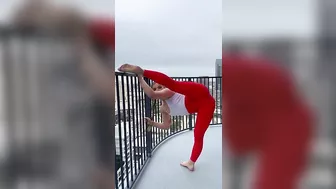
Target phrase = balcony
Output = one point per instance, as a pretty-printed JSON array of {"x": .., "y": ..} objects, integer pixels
[
  {"x": 144, "y": 154},
  {"x": 49, "y": 157},
  {"x": 163, "y": 168},
  {"x": 57, "y": 129}
]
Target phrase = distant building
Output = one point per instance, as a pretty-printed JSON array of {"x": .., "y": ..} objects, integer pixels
[
  {"x": 218, "y": 71},
  {"x": 218, "y": 68},
  {"x": 326, "y": 62}
]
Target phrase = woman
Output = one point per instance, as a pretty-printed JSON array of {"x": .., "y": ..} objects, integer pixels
[
  {"x": 266, "y": 115},
  {"x": 164, "y": 108},
  {"x": 179, "y": 98},
  {"x": 94, "y": 39}
]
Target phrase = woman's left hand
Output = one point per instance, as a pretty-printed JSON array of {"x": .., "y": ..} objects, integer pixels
[{"x": 149, "y": 121}]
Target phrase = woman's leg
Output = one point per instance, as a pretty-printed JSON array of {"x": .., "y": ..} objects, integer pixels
[
  {"x": 191, "y": 89},
  {"x": 204, "y": 116},
  {"x": 283, "y": 160},
  {"x": 280, "y": 168}
]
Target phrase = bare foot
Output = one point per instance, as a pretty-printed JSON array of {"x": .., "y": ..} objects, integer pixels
[
  {"x": 131, "y": 68},
  {"x": 189, "y": 165}
]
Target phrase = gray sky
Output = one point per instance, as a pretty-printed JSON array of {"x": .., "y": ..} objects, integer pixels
[
  {"x": 179, "y": 38},
  {"x": 261, "y": 18},
  {"x": 183, "y": 38}
]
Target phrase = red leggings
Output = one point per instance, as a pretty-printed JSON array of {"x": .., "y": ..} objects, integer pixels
[
  {"x": 197, "y": 100},
  {"x": 283, "y": 158}
]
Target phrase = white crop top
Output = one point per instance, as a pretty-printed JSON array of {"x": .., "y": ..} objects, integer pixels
[{"x": 176, "y": 105}]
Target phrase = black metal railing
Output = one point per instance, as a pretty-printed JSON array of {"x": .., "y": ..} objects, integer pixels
[
  {"x": 49, "y": 114},
  {"x": 134, "y": 143}
]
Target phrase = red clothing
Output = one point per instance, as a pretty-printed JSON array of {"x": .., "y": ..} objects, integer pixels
[
  {"x": 263, "y": 112},
  {"x": 256, "y": 93},
  {"x": 103, "y": 32},
  {"x": 197, "y": 100}
]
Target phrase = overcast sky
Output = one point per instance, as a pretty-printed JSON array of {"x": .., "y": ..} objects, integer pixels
[
  {"x": 179, "y": 38},
  {"x": 183, "y": 37},
  {"x": 260, "y": 18}
]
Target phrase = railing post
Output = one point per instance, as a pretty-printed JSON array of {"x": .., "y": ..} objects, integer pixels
[
  {"x": 190, "y": 116},
  {"x": 148, "y": 113},
  {"x": 190, "y": 122}
]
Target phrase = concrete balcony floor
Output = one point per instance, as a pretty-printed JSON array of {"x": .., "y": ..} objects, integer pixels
[{"x": 163, "y": 170}]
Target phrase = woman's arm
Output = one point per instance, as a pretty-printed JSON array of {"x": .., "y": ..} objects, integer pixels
[
  {"x": 163, "y": 94},
  {"x": 166, "y": 122},
  {"x": 100, "y": 77},
  {"x": 147, "y": 89}
]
